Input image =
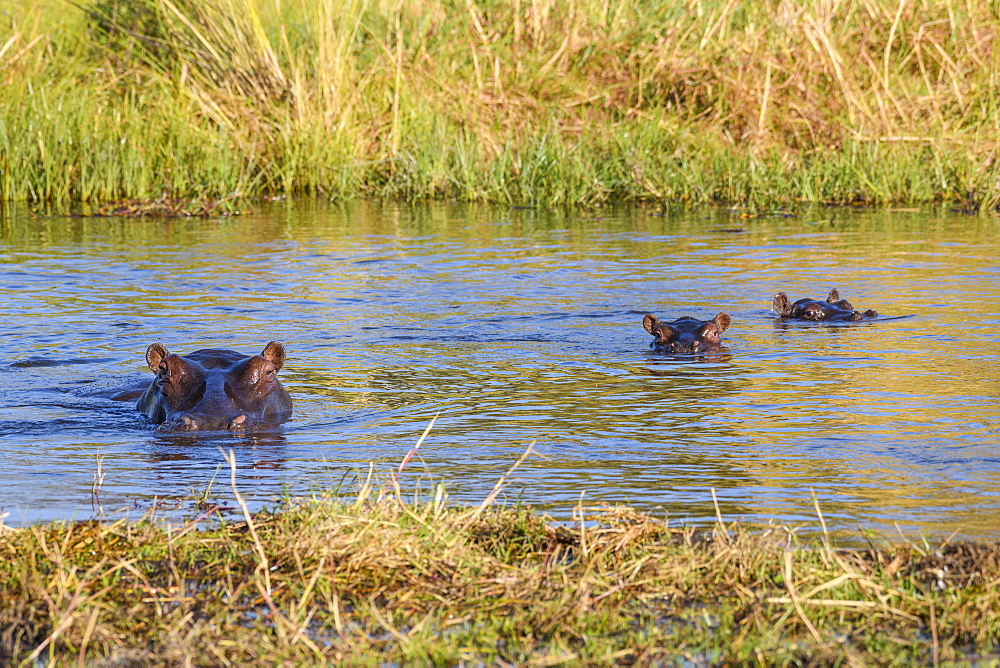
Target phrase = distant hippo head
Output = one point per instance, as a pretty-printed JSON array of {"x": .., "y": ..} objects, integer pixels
[
  {"x": 686, "y": 335},
  {"x": 215, "y": 389},
  {"x": 834, "y": 308}
]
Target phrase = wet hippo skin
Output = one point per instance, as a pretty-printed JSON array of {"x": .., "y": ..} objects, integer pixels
[
  {"x": 686, "y": 334},
  {"x": 215, "y": 389},
  {"x": 834, "y": 308}
]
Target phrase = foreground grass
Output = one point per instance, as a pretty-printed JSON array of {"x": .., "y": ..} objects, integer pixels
[
  {"x": 377, "y": 579},
  {"x": 515, "y": 101}
]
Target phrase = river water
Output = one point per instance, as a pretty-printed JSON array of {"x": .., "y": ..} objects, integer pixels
[{"x": 517, "y": 327}]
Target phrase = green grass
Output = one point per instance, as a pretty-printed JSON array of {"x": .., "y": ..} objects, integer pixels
[
  {"x": 374, "y": 578},
  {"x": 528, "y": 102}
]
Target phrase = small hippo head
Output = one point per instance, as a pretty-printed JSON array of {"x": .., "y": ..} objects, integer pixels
[
  {"x": 214, "y": 389},
  {"x": 834, "y": 308},
  {"x": 686, "y": 335}
]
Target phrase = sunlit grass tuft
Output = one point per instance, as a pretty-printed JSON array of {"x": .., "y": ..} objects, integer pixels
[{"x": 373, "y": 577}]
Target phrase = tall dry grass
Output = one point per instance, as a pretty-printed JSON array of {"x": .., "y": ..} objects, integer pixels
[{"x": 527, "y": 101}]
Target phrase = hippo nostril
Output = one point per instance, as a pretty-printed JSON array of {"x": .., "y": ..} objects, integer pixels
[
  {"x": 189, "y": 424},
  {"x": 237, "y": 422}
]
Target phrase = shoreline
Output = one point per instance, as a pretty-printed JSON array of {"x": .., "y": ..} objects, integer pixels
[{"x": 377, "y": 578}]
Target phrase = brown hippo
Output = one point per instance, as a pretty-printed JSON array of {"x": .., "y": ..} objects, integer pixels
[
  {"x": 686, "y": 334},
  {"x": 834, "y": 308},
  {"x": 215, "y": 389}
]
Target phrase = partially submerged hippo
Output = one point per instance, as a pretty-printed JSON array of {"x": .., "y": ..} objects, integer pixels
[
  {"x": 215, "y": 389},
  {"x": 686, "y": 334},
  {"x": 834, "y": 308}
]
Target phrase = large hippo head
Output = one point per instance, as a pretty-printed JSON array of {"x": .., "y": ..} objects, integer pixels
[
  {"x": 215, "y": 389},
  {"x": 686, "y": 335},
  {"x": 834, "y": 308}
]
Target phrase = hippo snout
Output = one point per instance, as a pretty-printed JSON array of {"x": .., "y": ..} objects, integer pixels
[
  {"x": 207, "y": 423},
  {"x": 692, "y": 346}
]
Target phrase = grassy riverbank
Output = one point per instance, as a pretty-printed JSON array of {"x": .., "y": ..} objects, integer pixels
[
  {"x": 376, "y": 579},
  {"x": 514, "y": 101}
]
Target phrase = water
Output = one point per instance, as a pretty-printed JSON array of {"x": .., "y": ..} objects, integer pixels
[{"x": 517, "y": 327}]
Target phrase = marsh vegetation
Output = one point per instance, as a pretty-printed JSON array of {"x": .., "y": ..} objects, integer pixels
[
  {"x": 529, "y": 102},
  {"x": 378, "y": 577}
]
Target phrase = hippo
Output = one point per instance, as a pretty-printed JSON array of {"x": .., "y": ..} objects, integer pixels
[
  {"x": 215, "y": 389},
  {"x": 686, "y": 334},
  {"x": 833, "y": 309}
]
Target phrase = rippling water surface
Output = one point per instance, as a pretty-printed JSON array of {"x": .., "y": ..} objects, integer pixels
[{"x": 517, "y": 326}]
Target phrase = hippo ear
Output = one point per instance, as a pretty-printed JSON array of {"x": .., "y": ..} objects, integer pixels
[
  {"x": 274, "y": 353},
  {"x": 833, "y": 297},
  {"x": 154, "y": 354},
  {"x": 780, "y": 304},
  {"x": 650, "y": 322},
  {"x": 722, "y": 321}
]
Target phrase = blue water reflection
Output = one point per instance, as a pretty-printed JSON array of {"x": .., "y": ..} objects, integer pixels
[{"x": 517, "y": 327}]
